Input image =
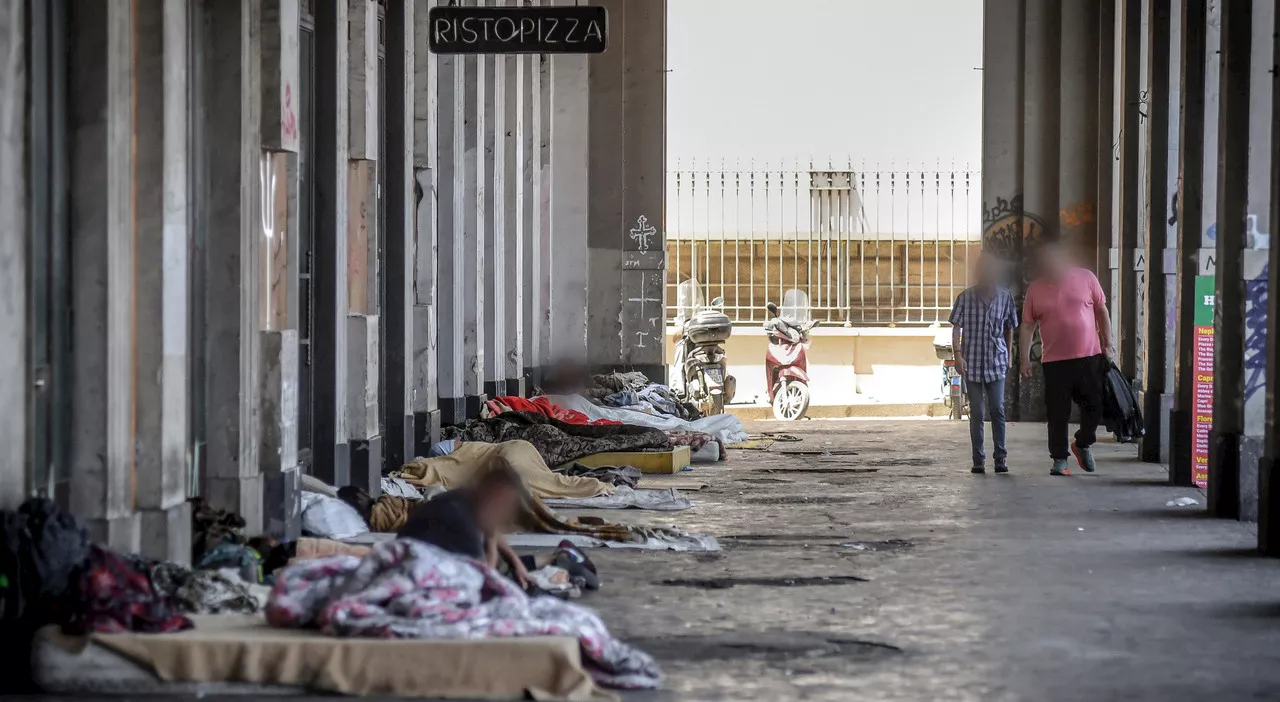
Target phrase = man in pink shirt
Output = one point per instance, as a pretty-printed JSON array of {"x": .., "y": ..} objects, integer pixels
[{"x": 1068, "y": 305}]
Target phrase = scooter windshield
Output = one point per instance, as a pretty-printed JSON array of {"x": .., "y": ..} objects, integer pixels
[
  {"x": 795, "y": 306},
  {"x": 689, "y": 299}
]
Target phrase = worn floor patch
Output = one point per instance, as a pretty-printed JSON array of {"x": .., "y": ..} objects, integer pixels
[
  {"x": 820, "y": 471},
  {"x": 795, "y": 581},
  {"x": 887, "y": 545},
  {"x": 799, "y": 500},
  {"x": 767, "y": 647}
]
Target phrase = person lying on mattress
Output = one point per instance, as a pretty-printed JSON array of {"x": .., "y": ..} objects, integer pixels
[{"x": 470, "y": 521}]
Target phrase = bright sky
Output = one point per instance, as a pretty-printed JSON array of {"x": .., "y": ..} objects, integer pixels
[{"x": 878, "y": 80}]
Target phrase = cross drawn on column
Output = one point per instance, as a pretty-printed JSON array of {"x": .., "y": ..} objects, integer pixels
[{"x": 641, "y": 232}]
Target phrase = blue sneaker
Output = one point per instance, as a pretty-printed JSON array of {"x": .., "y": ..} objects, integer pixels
[
  {"x": 1059, "y": 467},
  {"x": 1083, "y": 456}
]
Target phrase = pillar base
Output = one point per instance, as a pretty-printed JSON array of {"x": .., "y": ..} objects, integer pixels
[
  {"x": 282, "y": 505},
  {"x": 1251, "y": 450},
  {"x": 1269, "y": 508},
  {"x": 1224, "y": 475},
  {"x": 166, "y": 533},
  {"x": 398, "y": 455},
  {"x": 453, "y": 411},
  {"x": 240, "y": 495},
  {"x": 495, "y": 388},
  {"x": 122, "y": 534},
  {"x": 366, "y": 465},
  {"x": 426, "y": 426},
  {"x": 515, "y": 387},
  {"x": 474, "y": 404},
  {"x": 532, "y": 379},
  {"x": 1180, "y": 448}
]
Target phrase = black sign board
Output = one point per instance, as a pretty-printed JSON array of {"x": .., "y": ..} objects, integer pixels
[{"x": 518, "y": 30}]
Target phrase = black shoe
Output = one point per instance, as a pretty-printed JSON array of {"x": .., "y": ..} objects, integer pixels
[
  {"x": 1002, "y": 468},
  {"x": 979, "y": 469}
]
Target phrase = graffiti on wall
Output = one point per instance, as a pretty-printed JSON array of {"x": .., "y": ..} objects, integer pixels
[
  {"x": 1077, "y": 215},
  {"x": 1255, "y": 340},
  {"x": 1011, "y": 233},
  {"x": 642, "y": 233}
]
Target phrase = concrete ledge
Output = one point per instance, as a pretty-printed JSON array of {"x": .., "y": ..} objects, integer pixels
[
  {"x": 453, "y": 411},
  {"x": 166, "y": 533},
  {"x": 495, "y": 388},
  {"x": 473, "y": 405},
  {"x": 426, "y": 431},
  {"x": 123, "y": 534},
  {"x": 515, "y": 387},
  {"x": 886, "y": 409},
  {"x": 282, "y": 504},
  {"x": 366, "y": 465}
]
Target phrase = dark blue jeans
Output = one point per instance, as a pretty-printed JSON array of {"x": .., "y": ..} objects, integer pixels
[{"x": 986, "y": 401}]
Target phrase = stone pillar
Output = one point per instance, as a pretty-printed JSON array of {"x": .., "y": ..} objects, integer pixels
[
  {"x": 474, "y": 191},
  {"x": 569, "y": 201},
  {"x": 453, "y": 273},
  {"x": 1232, "y": 227},
  {"x": 362, "y": 318},
  {"x": 642, "y": 233},
  {"x": 1151, "y": 258},
  {"x": 609, "y": 125},
  {"x": 233, "y": 232},
  {"x": 1191, "y": 154},
  {"x": 1269, "y": 469},
  {"x": 513, "y": 164},
  {"x": 1078, "y": 130},
  {"x": 331, "y": 275},
  {"x": 427, "y": 158},
  {"x": 1255, "y": 262},
  {"x": 533, "y": 309},
  {"x": 1125, "y": 240},
  {"x": 102, "y": 122},
  {"x": 1167, "y": 217},
  {"x": 160, "y": 62},
  {"x": 544, "y": 325},
  {"x": 13, "y": 256},
  {"x": 398, "y": 315},
  {"x": 493, "y": 223}
]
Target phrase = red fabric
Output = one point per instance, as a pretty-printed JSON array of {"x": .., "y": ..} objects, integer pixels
[{"x": 541, "y": 405}]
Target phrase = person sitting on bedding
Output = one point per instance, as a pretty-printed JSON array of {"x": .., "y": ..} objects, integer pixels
[{"x": 470, "y": 521}]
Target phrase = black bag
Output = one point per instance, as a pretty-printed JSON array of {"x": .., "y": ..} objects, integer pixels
[{"x": 1120, "y": 411}]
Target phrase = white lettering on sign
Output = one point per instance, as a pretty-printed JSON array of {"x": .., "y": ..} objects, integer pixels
[
  {"x": 1208, "y": 300},
  {"x": 527, "y": 30}
]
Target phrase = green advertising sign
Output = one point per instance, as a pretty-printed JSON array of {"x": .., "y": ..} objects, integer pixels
[{"x": 1204, "y": 300}]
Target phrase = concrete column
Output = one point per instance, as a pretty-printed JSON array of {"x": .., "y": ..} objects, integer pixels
[
  {"x": 533, "y": 314},
  {"x": 160, "y": 62},
  {"x": 1226, "y": 495},
  {"x": 278, "y": 373},
  {"x": 1105, "y": 155},
  {"x": 544, "y": 326},
  {"x": 569, "y": 202},
  {"x": 1255, "y": 262},
  {"x": 1040, "y": 112},
  {"x": 1078, "y": 129},
  {"x": 453, "y": 273},
  {"x": 609, "y": 125},
  {"x": 398, "y": 316},
  {"x": 474, "y": 191},
  {"x": 1002, "y": 141},
  {"x": 642, "y": 234},
  {"x": 13, "y": 256},
  {"x": 102, "y": 250},
  {"x": 1168, "y": 222},
  {"x": 1269, "y": 469},
  {"x": 1125, "y": 301},
  {"x": 1151, "y": 257},
  {"x": 494, "y": 224},
  {"x": 1191, "y": 154},
  {"x": 362, "y": 319},
  {"x": 424, "y": 378},
  {"x": 514, "y": 234},
  {"x": 331, "y": 282}
]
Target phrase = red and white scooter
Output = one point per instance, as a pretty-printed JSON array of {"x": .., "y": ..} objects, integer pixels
[{"x": 786, "y": 362}]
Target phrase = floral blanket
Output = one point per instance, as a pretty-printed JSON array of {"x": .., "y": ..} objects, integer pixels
[{"x": 409, "y": 589}]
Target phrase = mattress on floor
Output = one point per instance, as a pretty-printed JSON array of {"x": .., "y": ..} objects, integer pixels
[{"x": 238, "y": 654}]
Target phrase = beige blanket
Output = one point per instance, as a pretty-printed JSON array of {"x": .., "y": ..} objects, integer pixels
[
  {"x": 238, "y": 648},
  {"x": 458, "y": 467}
]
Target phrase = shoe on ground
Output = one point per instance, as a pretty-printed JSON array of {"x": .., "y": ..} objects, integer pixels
[
  {"x": 1002, "y": 468},
  {"x": 978, "y": 469},
  {"x": 1059, "y": 467},
  {"x": 1083, "y": 456}
]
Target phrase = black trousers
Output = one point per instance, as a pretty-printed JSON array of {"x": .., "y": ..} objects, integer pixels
[{"x": 1076, "y": 380}]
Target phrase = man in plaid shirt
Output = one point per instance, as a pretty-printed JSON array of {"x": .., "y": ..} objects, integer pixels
[{"x": 983, "y": 318}]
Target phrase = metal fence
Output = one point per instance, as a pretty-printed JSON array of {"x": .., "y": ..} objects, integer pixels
[{"x": 869, "y": 246}]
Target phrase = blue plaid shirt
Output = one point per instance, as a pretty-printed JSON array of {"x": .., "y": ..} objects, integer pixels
[{"x": 982, "y": 327}]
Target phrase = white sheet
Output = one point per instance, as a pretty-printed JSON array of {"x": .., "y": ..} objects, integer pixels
[
  {"x": 689, "y": 543},
  {"x": 667, "y": 500},
  {"x": 725, "y": 426}
]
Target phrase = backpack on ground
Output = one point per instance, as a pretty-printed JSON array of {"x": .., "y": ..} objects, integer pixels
[{"x": 1120, "y": 411}]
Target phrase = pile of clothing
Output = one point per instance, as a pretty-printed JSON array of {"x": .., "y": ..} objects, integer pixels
[
  {"x": 634, "y": 390},
  {"x": 538, "y": 405},
  {"x": 557, "y": 441},
  {"x": 409, "y": 589}
]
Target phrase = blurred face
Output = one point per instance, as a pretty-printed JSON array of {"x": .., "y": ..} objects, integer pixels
[
  {"x": 987, "y": 272},
  {"x": 1053, "y": 261},
  {"x": 496, "y": 509}
]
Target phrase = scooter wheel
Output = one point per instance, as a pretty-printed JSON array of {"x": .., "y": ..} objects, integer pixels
[{"x": 791, "y": 401}]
